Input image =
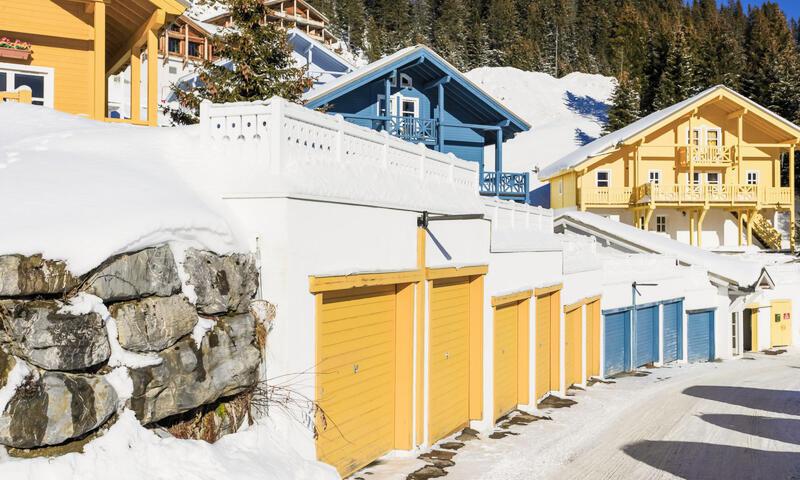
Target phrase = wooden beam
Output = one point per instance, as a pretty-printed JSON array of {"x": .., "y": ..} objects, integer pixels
[
  {"x": 137, "y": 41},
  {"x": 700, "y": 227},
  {"x": 152, "y": 78},
  {"x": 136, "y": 85},
  {"x": 737, "y": 114},
  {"x": 740, "y": 215},
  {"x": 100, "y": 81},
  {"x": 750, "y": 215},
  {"x": 792, "y": 227}
]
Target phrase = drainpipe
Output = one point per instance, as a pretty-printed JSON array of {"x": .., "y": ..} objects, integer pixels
[
  {"x": 498, "y": 159},
  {"x": 439, "y": 127}
]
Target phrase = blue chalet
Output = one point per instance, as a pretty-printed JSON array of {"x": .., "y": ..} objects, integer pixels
[{"x": 416, "y": 95}]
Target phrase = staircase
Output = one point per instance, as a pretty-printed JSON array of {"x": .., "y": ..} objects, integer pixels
[{"x": 764, "y": 232}]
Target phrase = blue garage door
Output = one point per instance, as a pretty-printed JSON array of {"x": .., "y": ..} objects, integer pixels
[
  {"x": 673, "y": 332},
  {"x": 701, "y": 336},
  {"x": 646, "y": 335},
  {"x": 617, "y": 337}
]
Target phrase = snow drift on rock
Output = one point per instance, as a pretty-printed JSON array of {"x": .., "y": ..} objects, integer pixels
[
  {"x": 81, "y": 191},
  {"x": 565, "y": 113}
]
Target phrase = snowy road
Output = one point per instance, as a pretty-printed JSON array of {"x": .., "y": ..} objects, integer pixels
[{"x": 730, "y": 420}]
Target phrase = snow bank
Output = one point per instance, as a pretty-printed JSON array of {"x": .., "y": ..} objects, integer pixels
[
  {"x": 128, "y": 451},
  {"x": 81, "y": 191},
  {"x": 564, "y": 113}
]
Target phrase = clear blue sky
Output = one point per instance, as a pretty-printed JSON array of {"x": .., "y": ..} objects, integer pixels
[{"x": 790, "y": 7}]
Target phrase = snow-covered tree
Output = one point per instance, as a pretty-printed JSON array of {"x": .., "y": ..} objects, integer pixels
[{"x": 261, "y": 64}]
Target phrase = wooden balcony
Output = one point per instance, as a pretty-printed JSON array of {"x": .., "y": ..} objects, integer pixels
[
  {"x": 707, "y": 156},
  {"x": 687, "y": 195}
]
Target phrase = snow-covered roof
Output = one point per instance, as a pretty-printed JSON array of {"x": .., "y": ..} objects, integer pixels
[
  {"x": 79, "y": 190},
  {"x": 320, "y": 47},
  {"x": 731, "y": 269},
  {"x": 323, "y": 92},
  {"x": 609, "y": 142}
]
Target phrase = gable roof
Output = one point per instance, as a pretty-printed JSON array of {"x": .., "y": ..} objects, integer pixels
[
  {"x": 743, "y": 273},
  {"x": 636, "y": 129},
  {"x": 402, "y": 58},
  {"x": 296, "y": 33}
]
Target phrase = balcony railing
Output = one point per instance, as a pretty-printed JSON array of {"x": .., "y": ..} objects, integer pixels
[
  {"x": 511, "y": 186},
  {"x": 687, "y": 195},
  {"x": 707, "y": 156},
  {"x": 413, "y": 129},
  {"x": 607, "y": 196}
]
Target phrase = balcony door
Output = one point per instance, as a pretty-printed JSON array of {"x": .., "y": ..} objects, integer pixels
[{"x": 405, "y": 111}]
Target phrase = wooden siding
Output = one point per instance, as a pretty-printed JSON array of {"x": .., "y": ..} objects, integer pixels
[{"x": 60, "y": 33}]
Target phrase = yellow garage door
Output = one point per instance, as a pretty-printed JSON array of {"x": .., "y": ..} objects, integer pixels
[
  {"x": 593, "y": 339},
  {"x": 781, "y": 322},
  {"x": 449, "y": 357},
  {"x": 506, "y": 358},
  {"x": 572, "y": 346},
  {"x": 548, "y": 351},
  {"x": 356, "y": 376}
]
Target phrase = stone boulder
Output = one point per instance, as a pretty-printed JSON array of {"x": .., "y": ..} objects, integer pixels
[
  {"x": 22, "y": 276},
  {"x": 151, "y": 271},
  {"x": 153, "y": 323},
  {"x": 50, "y": 408},
  {"x": 226, "y": 363},
  {"x": 223, "y": 283},
  {"x": 52, "y": 340}
]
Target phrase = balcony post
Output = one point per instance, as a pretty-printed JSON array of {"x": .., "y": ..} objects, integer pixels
[
  {"x": 791, "y": 198},
  {"x": 691, "y": 227},
  {"x": 100, "y": 80},
  {"x": 498, "y": 158},
  {"x": 387, "y": 91},
  {"x": 750, "y": 216},
  {"x": 152, "y": 78},
  {"x": 740, "y": 215},
  {"x": 739, "y": 156},
  {"x": 440, "y": 115},
  {"x": 700, "y": 219},
  {"x": 136, "y": 85}
]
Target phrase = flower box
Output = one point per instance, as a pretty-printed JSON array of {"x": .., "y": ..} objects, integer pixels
[{"x": 14, "y": 53}]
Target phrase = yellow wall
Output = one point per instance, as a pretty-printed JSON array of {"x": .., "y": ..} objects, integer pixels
[
  {"x": 60, "y": 33},
  {"x": 568, "y": 195}
]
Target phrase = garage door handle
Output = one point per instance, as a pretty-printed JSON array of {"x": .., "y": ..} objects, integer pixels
[
  {"x": 446, "y": 355},
  {"x": 355, "y": 368}
]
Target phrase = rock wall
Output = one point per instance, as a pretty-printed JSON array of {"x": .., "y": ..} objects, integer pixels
[{"x": 62, "y": 337}]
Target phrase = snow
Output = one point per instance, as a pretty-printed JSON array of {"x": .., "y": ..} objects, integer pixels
[
  {"x": 563, "y": 113},
  {"x": 674, "y": 406},
  {"x": 741, "y": 271},
  {"x": 15, "y": 378},
  {"x": 202, "y": 327},
  {"x": 81, "y": 191},
  {"x": 120, "y": 380},
  {"x": 128, "y": 451},
  {"x": 609, "y": 142}
]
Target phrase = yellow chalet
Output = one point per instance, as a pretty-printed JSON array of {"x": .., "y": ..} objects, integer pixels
[
  {"x": 63, "y": 51},
  {"x": 705, "y": 171}
]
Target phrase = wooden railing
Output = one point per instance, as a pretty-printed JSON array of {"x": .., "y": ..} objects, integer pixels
[
  {"x": 688, "y": 195},
  {"x": 22, "y": 95},
  {"x": 508, "y": 185},
  {"x": 766, "y": 232},
  {"x": 709, "y": 155},
  {"x": 607, "y": 196}
]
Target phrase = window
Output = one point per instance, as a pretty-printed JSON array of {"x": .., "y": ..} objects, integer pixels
[
  {"x": 713, "y": 137},
  {"x": 655, "y": 176},
  {"x": 382, "y": 106},
  {"x": 409, "y": 106},
  {"x": 712, "y": 178},
  {"x": 695, "y": 138},
  {"x": 603, "y": 178},
  {"x": 173, "y": 70},
  {"x": 174, "y": 45},
  {"x": 696, "y": 179},
  {"x": 641, "y": 222},
  {"x": 752, "y": 178},
  {"x": 38, "y": 79},
  {"x": 195, "y": 49},
  {"x": 661, "y": 223}
]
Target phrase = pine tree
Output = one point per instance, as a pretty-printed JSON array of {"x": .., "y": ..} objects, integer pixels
[
  {"x": 450, "y": 30},
  {"x": 262, "y": 65},
  {"x": 678, "y": 80},
  {"x": 625, "y": 102}
]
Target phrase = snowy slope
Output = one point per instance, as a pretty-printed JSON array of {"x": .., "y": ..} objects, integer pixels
[
  {"x": 565, "y": 113},
  {"x": 79, "y": 190}
]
